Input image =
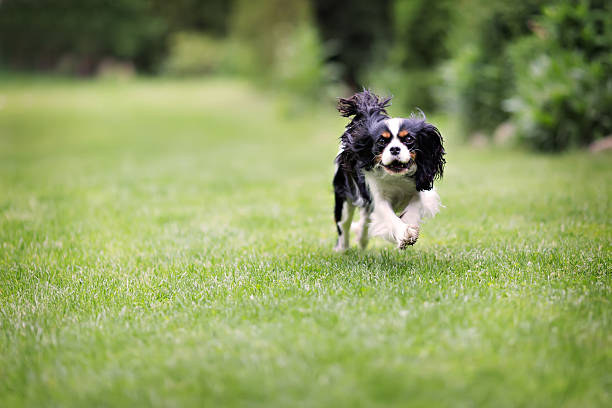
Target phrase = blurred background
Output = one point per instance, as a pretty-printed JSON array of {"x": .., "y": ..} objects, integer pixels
[{"x": 533, "y": 72}]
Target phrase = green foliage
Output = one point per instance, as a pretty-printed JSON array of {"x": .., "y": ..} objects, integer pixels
[
  {"x": 408, "y": 68},
  {"x": 209, "y": 16},
  {"x": 192, "y": 53},
  {"x": 583, "y": 25},
  {"x": 564, "y": 77},
  {"x": 77, "y": 35},
  {"x": 474, "y": 88},
  {"x": 262, "y": 26},
  {"x": 287, "y": 54},
  {"x": 478, "y": 78},
  {"x": 300, "y": 63},
  {"x": 410, "y": 89},
  {"x": 546, "y": 65},
  {"x": 356, "y": 34},
  {"x": 39, "y": 34},
  {"x": 420, "y": 30}
]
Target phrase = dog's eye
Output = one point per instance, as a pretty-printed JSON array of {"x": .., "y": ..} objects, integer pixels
[{"x": 406, "y": 137}]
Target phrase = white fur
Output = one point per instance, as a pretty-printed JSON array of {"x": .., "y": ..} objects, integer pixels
[
  {"x": 393, "y": 125},
  {"x": 403, "y": 156},
  {"x": 392, "y": 195},
  {"x": 430, "y": 203}
]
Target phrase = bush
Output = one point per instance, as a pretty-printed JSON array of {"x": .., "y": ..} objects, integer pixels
[
  {"x": 40, "y": 34},
  {"x": 193, "y": 54},
  {"x": 407, "y": 70},
  {"x": 410, "y": 88},
  {"x": 300, "y": 63},
  {"x": 474, "y": 86},
  {"x": 354, "y": 33},
  {"x": 261, "y": 28},
  {"x": 478, "y": 78},
  {"x": 287, "y": 54},
  {"x": 564, "y": 77}
]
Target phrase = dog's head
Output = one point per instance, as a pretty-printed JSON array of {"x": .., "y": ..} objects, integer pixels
[
  {"x": 410, "y": 147},
  {"x": 403, "y": 147}
]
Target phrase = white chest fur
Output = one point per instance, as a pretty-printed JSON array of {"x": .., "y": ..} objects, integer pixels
[{"x": 398, "y": 191}]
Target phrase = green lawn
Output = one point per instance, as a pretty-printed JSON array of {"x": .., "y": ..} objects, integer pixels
[{"x": 170, "y": 244}]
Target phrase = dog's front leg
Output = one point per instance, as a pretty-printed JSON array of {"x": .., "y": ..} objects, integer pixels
[
  {"x": 411, "y": 216},
  {"x": 391, "y": 227}
]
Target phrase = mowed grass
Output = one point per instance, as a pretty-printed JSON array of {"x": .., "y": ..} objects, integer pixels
[{"x": 169, "y": 243}]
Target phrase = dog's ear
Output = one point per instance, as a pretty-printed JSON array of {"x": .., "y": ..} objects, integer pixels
[{"x": 429, "y": 157}]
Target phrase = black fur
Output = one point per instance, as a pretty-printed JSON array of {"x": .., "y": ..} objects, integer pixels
[
  {"x": 366, "y": 110},
  {"x": 429, "y": 152},
  {"x": 361, "y": 144}
]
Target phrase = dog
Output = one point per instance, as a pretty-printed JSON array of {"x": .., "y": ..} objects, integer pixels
[{"x": 386, "y": 167}]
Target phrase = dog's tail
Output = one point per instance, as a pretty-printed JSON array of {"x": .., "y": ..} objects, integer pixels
[{"x": 363, "y": 105}]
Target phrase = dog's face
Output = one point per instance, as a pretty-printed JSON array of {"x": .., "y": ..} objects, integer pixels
[
  {"x": 394, "y": 148},
  {"x": 407, "y": 147}
]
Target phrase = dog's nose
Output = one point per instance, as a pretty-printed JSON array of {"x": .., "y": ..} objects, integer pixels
[{"x": 395, "y": 150}]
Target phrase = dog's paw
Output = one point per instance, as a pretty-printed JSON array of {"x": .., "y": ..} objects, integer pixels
[
  {"x": 410, "y": 236},
  {"x": 340, "y": 249}
]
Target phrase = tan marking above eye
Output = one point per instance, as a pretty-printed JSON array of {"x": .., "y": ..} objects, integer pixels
[
  {"x": 386, "y": 135},
  {"x": 403, "y": 133}
]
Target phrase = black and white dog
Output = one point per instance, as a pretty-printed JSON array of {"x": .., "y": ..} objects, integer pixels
[{"x": 386, "y": 167}]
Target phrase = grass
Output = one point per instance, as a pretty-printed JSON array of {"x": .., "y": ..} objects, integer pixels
[{"x": 170, "y": 244}]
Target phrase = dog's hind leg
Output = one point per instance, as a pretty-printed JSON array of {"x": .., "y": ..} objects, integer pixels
[
  {"x": 362, "y": 227},
  {"x": 343, "y": 215}
]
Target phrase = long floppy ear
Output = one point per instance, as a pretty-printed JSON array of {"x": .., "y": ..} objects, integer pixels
[{"x": 429, "y": 157}]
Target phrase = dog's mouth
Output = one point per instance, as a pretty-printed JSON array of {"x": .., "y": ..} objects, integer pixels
[{"x": 397, "y": 167}]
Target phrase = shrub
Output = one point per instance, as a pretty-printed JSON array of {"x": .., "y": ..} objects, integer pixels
[
  {"x": 40, "y": 34},
  {"x": 193, "y": 54},
  {"x": 410, "y": 88},
  {"x": 564, "y": 77},
  {"x": 478, "y": 77},
  {"x": 287, "y": 54},
  {"x": 474, "y": 86},
  {"x": 354, "y": 33},
  {"x": 260, "y": 28},
  {"x": 300, "y": 62},
  {"x": 407, "y": 71}
]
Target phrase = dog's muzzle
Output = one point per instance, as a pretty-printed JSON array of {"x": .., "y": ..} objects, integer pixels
[{"x": 398, "y": 167}]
